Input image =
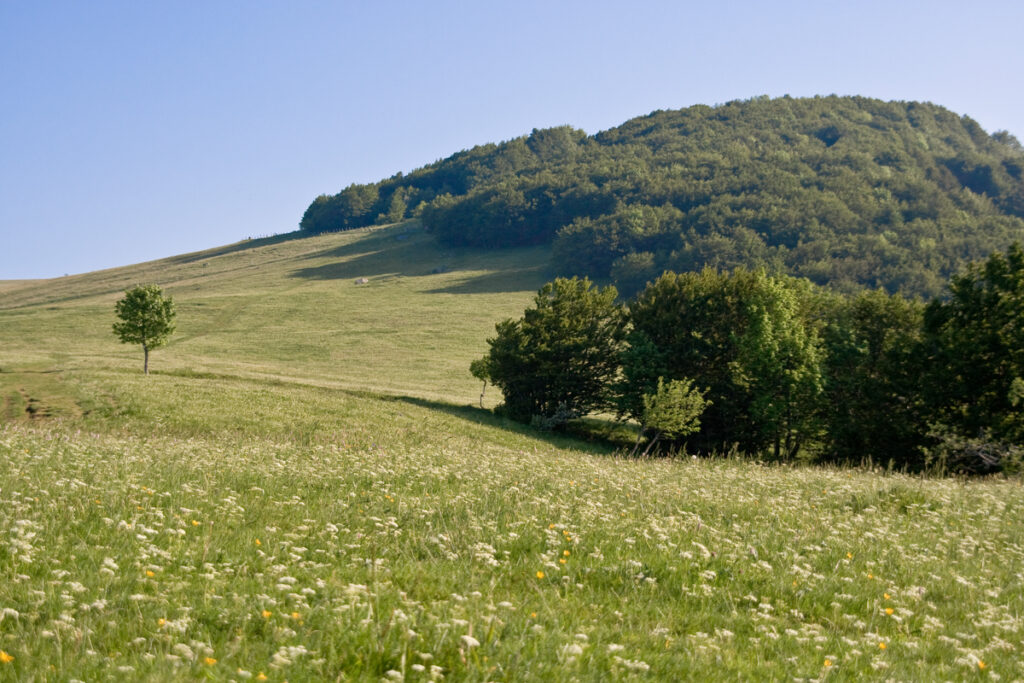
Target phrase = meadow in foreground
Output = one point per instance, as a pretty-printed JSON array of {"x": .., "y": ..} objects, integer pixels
[
  {"x": 426, "y": 544},
  {"x": 284, "y": 501}
]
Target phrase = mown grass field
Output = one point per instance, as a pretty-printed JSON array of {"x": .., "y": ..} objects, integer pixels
[{"x": 303, "y": 490}]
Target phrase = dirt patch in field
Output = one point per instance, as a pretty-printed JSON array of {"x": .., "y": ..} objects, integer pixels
[{"x": 36, "y": 395}]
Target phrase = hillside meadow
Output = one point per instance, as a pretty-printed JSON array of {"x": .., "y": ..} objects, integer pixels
[{"x": 305, "y": 490}]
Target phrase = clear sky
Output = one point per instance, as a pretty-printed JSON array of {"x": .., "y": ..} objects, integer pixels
[{"x": 134, "y": 130}]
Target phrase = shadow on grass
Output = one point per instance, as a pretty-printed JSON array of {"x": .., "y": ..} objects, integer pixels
[
  {"x": 585, "y": 440},
  {"x": 372, "y": 258},
  {"x": 237, "y": 246},
  {"x": 408, "y": 251},
  {"x": 528, "y": 278}
]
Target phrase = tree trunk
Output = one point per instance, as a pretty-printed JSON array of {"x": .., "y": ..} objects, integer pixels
[
  {"x": 482, "y": 390},
  {"x": 145, "y": 359},
  {"x": 639, "y": 436},
  {"x": 651, "y": 445}
]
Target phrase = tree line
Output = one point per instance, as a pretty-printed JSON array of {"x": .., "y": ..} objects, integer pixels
[
  {"x": 849, "y": 192},
  {"x": 770, "y": 365}
]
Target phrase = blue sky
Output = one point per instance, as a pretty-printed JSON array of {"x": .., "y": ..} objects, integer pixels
[{"x": 132, "y": 130}]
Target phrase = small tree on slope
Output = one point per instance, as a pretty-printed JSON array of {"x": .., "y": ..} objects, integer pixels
[{"x": 147, "y": 318}]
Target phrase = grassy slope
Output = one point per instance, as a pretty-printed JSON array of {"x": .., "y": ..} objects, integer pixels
[
  {"x": 302, "y": 491},
  {"x": 289, "y": 308}
]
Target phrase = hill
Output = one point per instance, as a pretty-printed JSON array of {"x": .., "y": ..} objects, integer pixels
[
  {"x": 846, "y": 191},
  {"x": 300, "y": 492},
  {"x": 289, "y": 308}
]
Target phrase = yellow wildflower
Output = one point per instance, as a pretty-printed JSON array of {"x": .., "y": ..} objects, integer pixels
[
  {"x": 6, "y": 658},
  {"x": 150, "y": 573},
  {"x": 888, "y": 611},
  {"x": 210, "y": 661},
  {"x": 261, "y": 676},
  {"x": 266, "y": 613},
  {"x": 828, "y": 662},
  {"x": 540, "y": 574},
  {"x": 881, "y": 645}
]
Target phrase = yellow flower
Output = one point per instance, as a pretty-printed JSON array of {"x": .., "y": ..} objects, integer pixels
[
  {"x": 150, "y": 573},
  {"x": 849, "y": 556},
  {"x": 210, "y": 661},
  {"x": 828, "y": 662},
  {"x": 258, "y": 542},
  {"x": 885, "y": 595},
  {"x": 981, "y": 664},
  {"x": 540, "y": 574},
  {"x": 266, "y": 613},
  {"x": 161, "y": 621},
  {"x": 6, "y": 658},
  {"x": 888, "y": 611},
  {"x": 881, "y": 646},
  {"x": 551, "y": 526},
  {"x": 533, "y": 615},
  {"x": 261, "y": 676},
  {"x": 195, "y": 522},
  {"x": 295, "y": 615},
  {"x": 566, "y": 553},
  {"x": 562, "y": 560}
]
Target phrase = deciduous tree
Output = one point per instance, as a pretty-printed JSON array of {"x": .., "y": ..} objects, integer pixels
[{"x": 147, "y": 318}]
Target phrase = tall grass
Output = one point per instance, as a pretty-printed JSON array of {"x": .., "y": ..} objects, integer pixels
[{"x": 302, "y": 492}]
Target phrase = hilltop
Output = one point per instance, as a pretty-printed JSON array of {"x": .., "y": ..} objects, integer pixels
[{"x": 846, "y": 191}]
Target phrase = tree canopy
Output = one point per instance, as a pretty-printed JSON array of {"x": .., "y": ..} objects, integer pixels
[
  {"x": 845, "y": 191},
  {"x": 558, "y": 361},
  {"x": 146, "y": 318},
  {"x": 770, "y": 365}
]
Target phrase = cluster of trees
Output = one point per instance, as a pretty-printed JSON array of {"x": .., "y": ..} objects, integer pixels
[
  {"x": 767, "y": 364},
  {"x": 846, "y": 191}
]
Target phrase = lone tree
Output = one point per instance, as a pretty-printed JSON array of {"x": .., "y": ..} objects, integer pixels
[{"x": 147, "y": 318}]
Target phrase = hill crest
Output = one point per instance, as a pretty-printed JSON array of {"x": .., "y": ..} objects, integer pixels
[{"x": 847, "y": 191}]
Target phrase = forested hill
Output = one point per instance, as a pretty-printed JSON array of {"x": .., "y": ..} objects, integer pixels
[{"x": 846, "y": 191}]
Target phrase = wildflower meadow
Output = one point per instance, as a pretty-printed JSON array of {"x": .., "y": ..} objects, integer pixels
[{"x": 230, "y": 518}]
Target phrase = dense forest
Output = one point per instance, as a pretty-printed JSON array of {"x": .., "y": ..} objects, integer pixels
[
  {"x": 846, "y": 191},
  {"x": 770, "y": 365}
]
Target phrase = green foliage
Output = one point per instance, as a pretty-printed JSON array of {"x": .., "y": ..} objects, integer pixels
[
  {"x": 632, "y": 272},
  {"x": 481, "y": 369},
  {"x": 673, "y": 410},
  {"x": 559, "y": 359},
  {"x": 846, "y": 191},
  {"x": 976, "y": 343},
  {"x": 146, "y": 318},
  {"x": 744, "y": 335},
  {"x": 873, "y": 377}
]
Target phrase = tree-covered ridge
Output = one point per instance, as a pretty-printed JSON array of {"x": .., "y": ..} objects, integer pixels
[{"x": 847, "y": 191}]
